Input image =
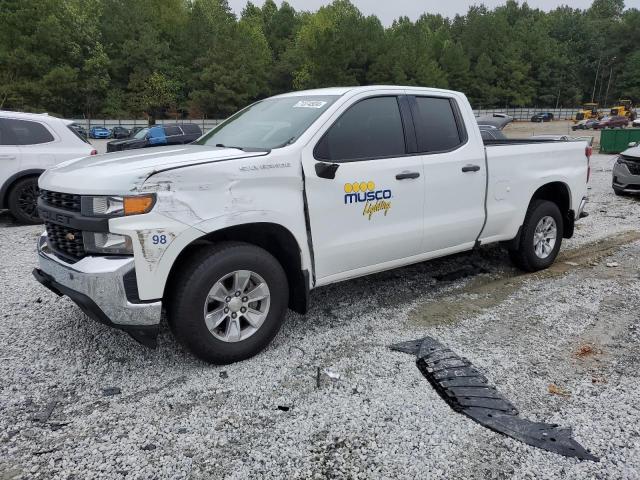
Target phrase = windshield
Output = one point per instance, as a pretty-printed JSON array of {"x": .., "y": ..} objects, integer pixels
[
  {"x": 141, "y": 133},
  {"x": 270, "y": 123}
]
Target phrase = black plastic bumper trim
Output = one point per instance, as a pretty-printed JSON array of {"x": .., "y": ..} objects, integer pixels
[{"x": 469, "y": 392}]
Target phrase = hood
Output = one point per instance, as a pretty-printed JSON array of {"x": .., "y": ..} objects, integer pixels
[
  {"x": 118, "y": 173},
  {"x": 632, "y": 152}
]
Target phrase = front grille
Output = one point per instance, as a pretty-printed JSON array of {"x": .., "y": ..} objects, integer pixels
[
  {"x": 66, "y": 201},
  {"x": 632, "y": 165},
  {"x": 66, "y": 241}
]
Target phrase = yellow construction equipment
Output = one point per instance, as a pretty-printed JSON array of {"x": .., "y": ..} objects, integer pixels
[
  {"x": 624, "y": 108},
  {"x": 589, "y": 110}
]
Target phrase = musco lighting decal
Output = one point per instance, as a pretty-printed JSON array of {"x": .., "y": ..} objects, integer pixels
[{"x": 375, "y": 201}]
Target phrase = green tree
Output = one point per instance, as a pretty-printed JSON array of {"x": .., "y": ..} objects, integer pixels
[
  {"x": 629, "y": 84},
  {"x": 94, "y": 79},
  {"x": 158, "y": 93},
  {"x": 456, "y": 65},
  {"x": 335, "y": 46}
]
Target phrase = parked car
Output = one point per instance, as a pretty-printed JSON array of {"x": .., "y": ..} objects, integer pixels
[
  {"x": 584, "y": 124},
  {"x": 297, "y": 191},
  {"x": 120, "y": 132},
  {"x": 626, "y": 172},
  {"x": 79, "y": 129},
  {"x": 29, "y": 144},
  {"x": 612, "y": 122},
  {"x": 498, "y": 120},
  {"x": 99, "y": 132},
  {"x": 636, "y": 123},
  {"x": 489, "y": 132},
  {"x": 158, "y": 135},
  {"x": 542, "y": 117},
  {"x": 134, "y": 130}
]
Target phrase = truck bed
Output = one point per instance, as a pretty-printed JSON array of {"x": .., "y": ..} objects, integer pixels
[{"x": 514, "y": 169}]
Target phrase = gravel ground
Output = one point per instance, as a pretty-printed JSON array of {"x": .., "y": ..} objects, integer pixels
[{"x": 79, "y": 400}]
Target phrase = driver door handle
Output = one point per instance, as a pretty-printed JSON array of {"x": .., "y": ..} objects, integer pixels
[
  {"x": 407, "y": 175},
  {"x": 471, "y": 168}
]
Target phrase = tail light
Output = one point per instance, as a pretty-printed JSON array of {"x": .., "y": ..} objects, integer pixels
[
  {"x": 94, "y": 152},
  {"x": 588, "y": 151}
]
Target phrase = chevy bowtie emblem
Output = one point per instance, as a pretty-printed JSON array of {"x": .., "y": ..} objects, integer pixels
[{"x": 70, "y": 236}]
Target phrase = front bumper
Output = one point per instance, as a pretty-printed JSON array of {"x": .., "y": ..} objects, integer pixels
[
  {"x": 623, "y": 180},
  {"x": 97, "y": 286}
]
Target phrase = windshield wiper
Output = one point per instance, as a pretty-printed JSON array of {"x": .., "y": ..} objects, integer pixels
[
  {"x": 228, "y": 146},
  {"x": 244, "y": 149},
  {"x": 288, "y": 142}
]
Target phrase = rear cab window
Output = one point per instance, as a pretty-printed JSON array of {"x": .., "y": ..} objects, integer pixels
[
  {"x": 369, "y": 129},
  {"x": 23, "y": 132},
  {"x": 439, "y": 127}
]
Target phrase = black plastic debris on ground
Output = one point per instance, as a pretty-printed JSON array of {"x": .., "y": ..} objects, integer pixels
[{"x": 467, "y": 391}]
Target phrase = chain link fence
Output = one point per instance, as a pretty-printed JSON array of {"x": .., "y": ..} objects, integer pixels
[
  {"x": 525, "y": 113},
  {"x": 206, "y": 124}
]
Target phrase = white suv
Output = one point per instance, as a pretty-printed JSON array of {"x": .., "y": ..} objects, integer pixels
[{"x": 29, "y": 144}]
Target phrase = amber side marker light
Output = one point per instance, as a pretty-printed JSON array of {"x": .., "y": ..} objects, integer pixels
[{"x": 138, "y": 204}]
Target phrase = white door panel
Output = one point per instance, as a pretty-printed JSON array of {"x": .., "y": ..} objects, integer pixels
[
  {"x": 371, "y": 212},
  {"x": 353, "y": 229},
  {"x": 454, "y": 200},
  {"x": 455, "y": 173},
  {"x": 10, "y": 161}
]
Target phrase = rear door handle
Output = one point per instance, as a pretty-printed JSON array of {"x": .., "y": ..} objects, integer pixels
[
  {"x": 471, "y": 168},
  {"x": 8, "y": 157},
  {"x": 407, "y": 175}
]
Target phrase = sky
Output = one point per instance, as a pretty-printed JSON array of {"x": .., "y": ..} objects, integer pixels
[{"x": 388, "y": 10}]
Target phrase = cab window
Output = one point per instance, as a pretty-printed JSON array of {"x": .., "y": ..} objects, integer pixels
[
  {"x": 372, "y": 128},
  {"x": 437, "y": 128}
]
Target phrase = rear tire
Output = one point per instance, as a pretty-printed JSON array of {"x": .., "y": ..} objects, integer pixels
[
  {"x": 540, "y": 237},
  {"x": 23, "y": 201},
  {"x": 206, "y": 298}
]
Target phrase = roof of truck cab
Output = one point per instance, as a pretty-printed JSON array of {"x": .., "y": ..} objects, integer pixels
[{"x": 367, "y": 88}]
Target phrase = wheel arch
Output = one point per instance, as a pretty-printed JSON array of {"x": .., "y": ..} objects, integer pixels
[
  {"x": 272, "y": 237},
  {"x": 9, "y": 182},
  {"x": 559, "y": 193}
]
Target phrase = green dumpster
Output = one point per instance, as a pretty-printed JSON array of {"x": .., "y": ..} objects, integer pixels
[{"x": 617, "y": 140}]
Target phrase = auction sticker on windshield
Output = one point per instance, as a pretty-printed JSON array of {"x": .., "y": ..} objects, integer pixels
[{"x": 310, "y": 104}]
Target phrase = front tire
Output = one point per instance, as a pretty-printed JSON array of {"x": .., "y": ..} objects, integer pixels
[
  {"x": 540, "y": 237},
  {"x": 23, "y": 201},
  {"x": 229, "y": 302}
]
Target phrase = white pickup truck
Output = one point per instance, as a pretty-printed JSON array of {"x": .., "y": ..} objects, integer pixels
[{"x": 295, "y": 192}]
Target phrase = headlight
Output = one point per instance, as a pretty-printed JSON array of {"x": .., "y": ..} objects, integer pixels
[
  {"x": 112, "y": 206},
  {"x": 101, "y": 242}
]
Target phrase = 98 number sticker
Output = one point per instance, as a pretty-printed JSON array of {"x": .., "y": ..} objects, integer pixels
[{"x": 159, "y": 239}]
